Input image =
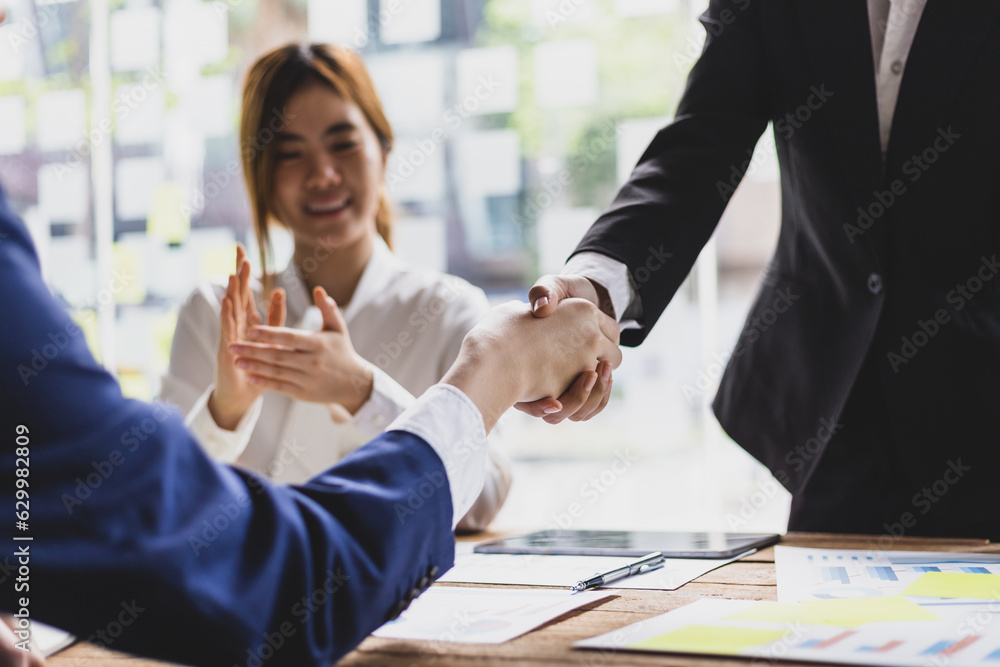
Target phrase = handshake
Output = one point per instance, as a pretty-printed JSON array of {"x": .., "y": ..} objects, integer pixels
[{"x": 561, "y": 346}]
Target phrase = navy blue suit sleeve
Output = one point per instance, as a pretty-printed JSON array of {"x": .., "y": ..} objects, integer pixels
[{"x": 143, "y": 544}]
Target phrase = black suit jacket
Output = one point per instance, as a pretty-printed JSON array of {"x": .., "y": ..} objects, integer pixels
[{"x": 872, "y": 259}]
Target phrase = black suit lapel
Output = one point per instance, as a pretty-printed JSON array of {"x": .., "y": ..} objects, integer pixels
[
  {"x": 838, "y": 43},
  {"x": 950, "y": 35}
]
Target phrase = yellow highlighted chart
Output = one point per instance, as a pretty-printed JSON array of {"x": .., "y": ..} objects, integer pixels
[
  {"x": 708, "y": 639},
  {"x": 851, "y": 607},
  {"x": 845, "y": 613},
  {"x": 956, "y": 585}
]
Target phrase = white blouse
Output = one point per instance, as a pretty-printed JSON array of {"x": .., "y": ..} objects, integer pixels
[{"x": 407, "y": 322}]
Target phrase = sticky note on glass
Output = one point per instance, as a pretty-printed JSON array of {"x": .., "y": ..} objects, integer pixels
[
  {"x": 86, "y": 319},
  {"x": 129, "y": 282},
  {"x": 710, "y": 639},
  {"x": 169, "y": 219},
  {"x": 956, "y": 585}
]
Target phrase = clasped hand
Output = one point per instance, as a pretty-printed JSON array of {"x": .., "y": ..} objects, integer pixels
[
  {"x": 512, "y": 355},
  {"x": 589, "y": 394}
]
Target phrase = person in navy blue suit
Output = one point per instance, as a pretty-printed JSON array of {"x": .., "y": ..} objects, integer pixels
[{"x": 139, "y": 542}]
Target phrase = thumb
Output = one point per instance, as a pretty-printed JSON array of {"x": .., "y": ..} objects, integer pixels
[
  {"x": 332, "y": 319},
  {"x": 546, "y": 294},
  {"x": 276, "y": 309}
]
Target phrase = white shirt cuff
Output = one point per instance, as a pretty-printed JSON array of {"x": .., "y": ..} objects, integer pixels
[
  {"x": 387, "y": 401},
  {"x": 611, "y": 274},
  {"x": 221, "y": 444},
  {"x": 452, "y": 425}
]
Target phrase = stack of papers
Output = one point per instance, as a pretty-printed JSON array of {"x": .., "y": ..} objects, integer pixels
[{"x": 843, "y": 606}]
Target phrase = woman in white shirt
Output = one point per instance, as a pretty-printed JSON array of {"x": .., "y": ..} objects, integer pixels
[{"x": 314, "y": 145}]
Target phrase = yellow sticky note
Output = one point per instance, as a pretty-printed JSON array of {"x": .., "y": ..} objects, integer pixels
[
  {"x": 87, "y": 321},
  {"x": 169, "y": 218},
  {"x": 956, "y": 585},
  {"x": 216, "y": 261},
  {"x": 163, "y": 326},
  {"x": 852, "y": 612},
  {"x": 135, "y": 385},
  {"x": 129, "y": 283},
  {"x": 710, "y": 639}
]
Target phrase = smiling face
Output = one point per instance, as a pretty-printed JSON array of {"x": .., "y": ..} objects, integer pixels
[{"x": 328, "y": 169}]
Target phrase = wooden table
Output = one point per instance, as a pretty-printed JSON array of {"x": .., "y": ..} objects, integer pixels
[{"x": 752, "y": 578}]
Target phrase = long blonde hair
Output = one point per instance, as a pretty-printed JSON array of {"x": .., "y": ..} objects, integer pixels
[{"x": 270, "y": 83}]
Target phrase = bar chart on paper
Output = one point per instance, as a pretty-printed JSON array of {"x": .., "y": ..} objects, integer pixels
[
  {"x": 837, "y": 573},
  {"x": 776, "y": 631},
  {"x": 849, "y": 607}
]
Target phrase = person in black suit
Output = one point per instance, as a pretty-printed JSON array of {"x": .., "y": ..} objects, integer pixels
[{"x": 868, "y": 369}]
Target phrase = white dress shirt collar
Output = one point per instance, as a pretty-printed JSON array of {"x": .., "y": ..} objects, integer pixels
[
  {"x": 375, "y": 279},
  {"x": 893, "y": 27}
]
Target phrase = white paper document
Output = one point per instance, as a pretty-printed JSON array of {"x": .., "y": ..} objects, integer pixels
[
  {"x": 805, "y": 574},
  {"x": 913, "y": 636},
  {"x": 844, "y": 606},
  {"x": 565, "y": 571},
  {"x": 481, "y": 615},
  {"x": 49, "y": 640}
]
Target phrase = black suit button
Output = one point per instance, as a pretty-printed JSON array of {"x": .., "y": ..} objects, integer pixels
[
  {"x": 875, "y": 283},
  {"x": 433, "y": 572},
  {"x": 424, "y": 582},
  {"x": 414, "y": 594}
]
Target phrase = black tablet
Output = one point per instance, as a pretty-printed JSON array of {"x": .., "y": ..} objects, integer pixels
[{"x": 629, "y": 543}]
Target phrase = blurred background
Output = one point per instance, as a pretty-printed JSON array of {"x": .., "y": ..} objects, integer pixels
[{"x": 516, "y": 121}]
